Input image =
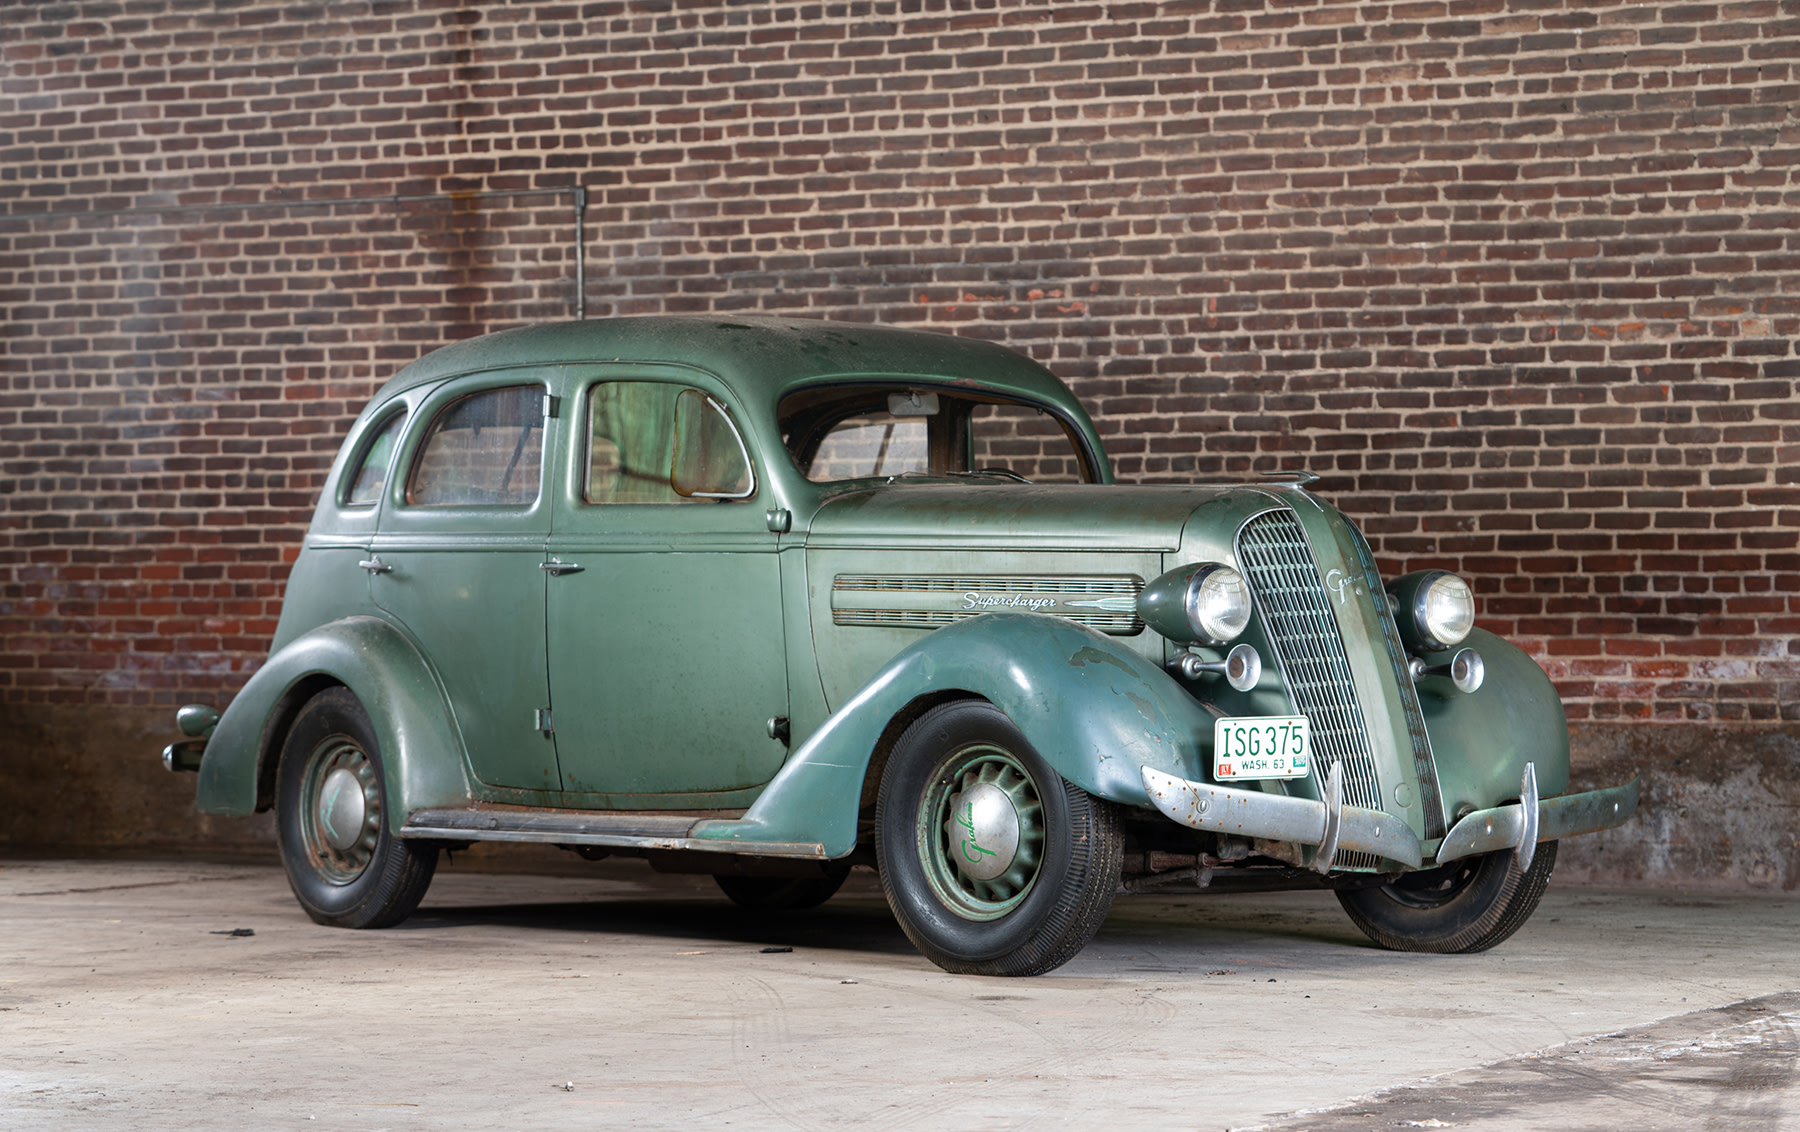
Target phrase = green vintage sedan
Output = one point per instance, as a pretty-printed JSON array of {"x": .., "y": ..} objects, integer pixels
[{"x": 768, "y": 599}]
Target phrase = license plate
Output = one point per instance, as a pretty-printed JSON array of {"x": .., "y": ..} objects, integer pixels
[{"x": 1269, "y": 746}]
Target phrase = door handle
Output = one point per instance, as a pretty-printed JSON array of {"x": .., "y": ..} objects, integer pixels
[
  {"x": 557, "y": 569},
  {"x": 376, "y": 566}
]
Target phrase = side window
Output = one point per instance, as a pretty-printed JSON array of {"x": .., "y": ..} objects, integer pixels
[
  {"x": 486, "y": 448},
  {"x": 652, "y": 442},
  {"x": 371, "y": 473}
]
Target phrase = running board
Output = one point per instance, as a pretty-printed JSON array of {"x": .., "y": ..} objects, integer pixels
[{"x": 616, "y": 831}]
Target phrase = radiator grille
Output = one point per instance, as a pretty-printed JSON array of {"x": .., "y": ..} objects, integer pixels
[{"x": 1284, "y": 578}]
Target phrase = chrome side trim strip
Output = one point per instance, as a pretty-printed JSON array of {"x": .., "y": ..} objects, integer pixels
[
  {"x": 1507, "y": 827},
  {"x": 1276, "y": 817}
]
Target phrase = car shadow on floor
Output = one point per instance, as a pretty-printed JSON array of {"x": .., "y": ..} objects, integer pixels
[
  {"x": 1188, "y": 937},
  {"x": 842, "y": 925}
]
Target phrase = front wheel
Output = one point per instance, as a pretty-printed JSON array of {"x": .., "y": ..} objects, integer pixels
[
  {"x": 991, "y": 862},
  {"x": 345, "y": 866},
  {"x": 1467, "y": 905}
]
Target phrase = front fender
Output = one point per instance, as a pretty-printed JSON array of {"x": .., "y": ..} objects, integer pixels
[
  {"x": 1481, "y": 741},
  {"x": 420, "y": 748},
  {"x": 1095, "y": 710}
]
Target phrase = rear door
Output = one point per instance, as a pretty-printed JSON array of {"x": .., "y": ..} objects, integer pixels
[{"x": 458, "y": 563}]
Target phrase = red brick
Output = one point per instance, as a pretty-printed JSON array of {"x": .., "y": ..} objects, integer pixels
[{"x": 1542, "y": 332}]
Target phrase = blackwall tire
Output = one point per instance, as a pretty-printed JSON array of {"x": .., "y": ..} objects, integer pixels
[
  {"x": 969, "y": 902},
  {"x": 345, "y": 866},
  {"x": 1467, "y": 905}
]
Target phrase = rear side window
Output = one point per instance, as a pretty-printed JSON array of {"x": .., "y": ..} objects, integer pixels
[
  {"x": 372, "y": 470},
  {"x": 483, "y": 449}
]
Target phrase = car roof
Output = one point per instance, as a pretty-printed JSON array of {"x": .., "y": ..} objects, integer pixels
[{"x": 761, "y": 358}]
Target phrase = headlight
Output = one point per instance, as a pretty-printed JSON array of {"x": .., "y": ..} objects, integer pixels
[
  {"x": 1436, "y": 610},
  {"x": 1204, "y": 602},
  {"x": 1218, "y": 604}
]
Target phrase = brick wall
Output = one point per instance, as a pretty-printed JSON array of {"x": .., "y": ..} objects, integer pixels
[{"x": 1520, "y": 280}]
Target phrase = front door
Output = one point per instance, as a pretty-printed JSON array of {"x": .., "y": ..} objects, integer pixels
[
  {"x": 667, "y": 661},
  {"x": 458, "y": 563}
]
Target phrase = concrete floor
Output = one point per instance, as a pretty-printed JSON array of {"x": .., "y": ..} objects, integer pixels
[{"x": 617, "y": 998}]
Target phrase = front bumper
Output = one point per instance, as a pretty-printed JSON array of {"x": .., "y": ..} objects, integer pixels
[{"x": 1332, "y": 826}]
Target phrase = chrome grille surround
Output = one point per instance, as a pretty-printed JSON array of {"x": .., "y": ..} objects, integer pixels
[
  {"x": 1424, "y": 764},
  {"x": 1309, "y": 648}
]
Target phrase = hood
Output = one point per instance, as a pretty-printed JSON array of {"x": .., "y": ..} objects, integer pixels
[{"x": 1000, "y": 515}]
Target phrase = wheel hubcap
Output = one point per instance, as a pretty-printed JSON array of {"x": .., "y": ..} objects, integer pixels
[
  {"x": 340, "y": 810},
  {"x": 981, "y": 832}
]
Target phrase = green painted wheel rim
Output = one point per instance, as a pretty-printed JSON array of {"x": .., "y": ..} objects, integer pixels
[
  {"x": 981, "y": 768},
  {"x": 339, "y": 865}
]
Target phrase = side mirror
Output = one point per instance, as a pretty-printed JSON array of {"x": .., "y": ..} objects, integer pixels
[{"x": 709, "y": 460}]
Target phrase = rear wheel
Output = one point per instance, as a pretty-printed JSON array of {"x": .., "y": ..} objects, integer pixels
[
  {"x": 992, "y": 863},
  {"x": 345, "y": 866},
  {"x": 1467, "y": 905}
]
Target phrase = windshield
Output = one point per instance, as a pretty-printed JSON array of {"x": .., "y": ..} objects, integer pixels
[{"x": 882, "y": 431}]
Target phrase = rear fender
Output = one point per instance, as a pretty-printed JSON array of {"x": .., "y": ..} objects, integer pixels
[
  {"x": 421, "y": 751},
  {"x": 1095, "y": 710}
]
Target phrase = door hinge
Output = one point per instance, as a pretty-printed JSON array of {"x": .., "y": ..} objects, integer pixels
[
  {"x": 544, "y": 722},
  {"x": 552, "y": 406},
  {"x": 779, "y": 728},
  {"x": 779, "y": 519}
]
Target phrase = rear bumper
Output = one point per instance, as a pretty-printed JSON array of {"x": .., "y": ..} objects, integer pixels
[{"x": 1332, "y": 826}]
